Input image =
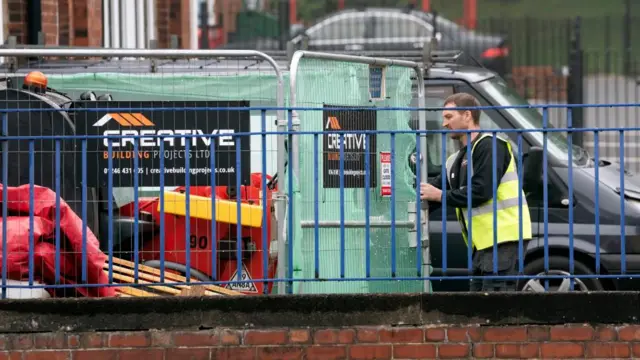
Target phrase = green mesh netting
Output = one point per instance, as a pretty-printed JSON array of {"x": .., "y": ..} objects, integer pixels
[
  {"x": 347, "y": 84},
  {"x": 318, "y": 82}
]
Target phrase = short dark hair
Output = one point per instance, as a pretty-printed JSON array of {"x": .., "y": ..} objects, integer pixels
[{"x": 465, "y": 100}]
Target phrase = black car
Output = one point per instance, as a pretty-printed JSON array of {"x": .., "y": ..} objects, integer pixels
[
  {"x": 397, "y": 30},
  {"x": 445, "y": 79}
]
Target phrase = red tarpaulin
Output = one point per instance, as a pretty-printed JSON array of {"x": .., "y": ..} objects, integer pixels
[{"x": 17, "y": 225}]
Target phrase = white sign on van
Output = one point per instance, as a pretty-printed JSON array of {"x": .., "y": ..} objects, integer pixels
[{"x": 247, "y": 287}]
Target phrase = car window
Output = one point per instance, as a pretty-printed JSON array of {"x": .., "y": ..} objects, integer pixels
[
  {"x": 348, "y": 27},
  {"x": 399, "y": 26},
  {"x": 434, "y": 97}
]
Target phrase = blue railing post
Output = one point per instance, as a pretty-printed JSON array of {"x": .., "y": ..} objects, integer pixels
[
  {"x": 187, "y": 210},
  {"x": 265, "y": 199},
  {"x": 545, "y": 200},
  {"x": 570, "y": 181},
  {"x": 32, "y": 204},
  {"x": 5, "y": 200}
]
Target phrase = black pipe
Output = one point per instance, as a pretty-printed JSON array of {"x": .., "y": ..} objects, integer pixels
[{"x": 34, "y": 21}]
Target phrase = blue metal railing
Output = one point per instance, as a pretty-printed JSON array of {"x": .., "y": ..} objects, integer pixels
[{"x": 628, "y": 233}]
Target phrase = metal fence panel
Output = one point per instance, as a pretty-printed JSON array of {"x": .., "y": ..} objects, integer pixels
[
  {"x": 88, "y": 170},
  {"x": 330, "y": 190},
  {"x": 584, "y": 212}
]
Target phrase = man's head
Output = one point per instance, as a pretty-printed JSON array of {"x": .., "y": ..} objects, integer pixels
[{"x": 460, "y": 119}]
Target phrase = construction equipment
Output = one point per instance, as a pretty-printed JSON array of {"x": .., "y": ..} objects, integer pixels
[{"x": 150, "y": 239}]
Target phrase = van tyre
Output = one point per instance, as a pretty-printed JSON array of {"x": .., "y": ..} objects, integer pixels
[{"x": 558, "y": 265}]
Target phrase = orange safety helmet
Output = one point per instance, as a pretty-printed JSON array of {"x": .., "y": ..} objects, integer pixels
[{"x": 36, "y": 79}]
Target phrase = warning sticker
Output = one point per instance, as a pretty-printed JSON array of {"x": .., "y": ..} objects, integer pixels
[
  {"x": 385, "y": 173},
  {"x": 247, "y": 287}
]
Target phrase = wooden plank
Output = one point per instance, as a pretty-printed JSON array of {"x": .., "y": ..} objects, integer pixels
[
  {"x": 131, "y": 280},
  {"x": 153, "y": 278},
  {"x": 174, "y": 277},
  {"x": 129, "y": 291}
]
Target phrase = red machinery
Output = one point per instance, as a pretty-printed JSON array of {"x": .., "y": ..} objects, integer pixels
[
  {"x": 114, "y": 228},
  {"x": 226, "y": 236}
]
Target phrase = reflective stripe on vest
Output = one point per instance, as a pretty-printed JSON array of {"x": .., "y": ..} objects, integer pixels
[{"x": 507, "y": 207}]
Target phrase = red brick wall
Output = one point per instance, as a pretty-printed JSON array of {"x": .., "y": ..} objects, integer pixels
[
  {"x": 87, "y": 23},
  {"x": 572, "y": 341},
  {"x": 77, "y": 22},
  {"x": 172, "y": 18},
  {"x": 50, "y": 21},
  {"x": 17, "y": 17}
]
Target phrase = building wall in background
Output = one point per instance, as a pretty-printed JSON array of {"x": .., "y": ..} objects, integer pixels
[{"x": 103, "y": 23}]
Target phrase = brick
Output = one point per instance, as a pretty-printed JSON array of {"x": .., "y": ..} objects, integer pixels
[
  {"x": 605, "y": 334},
  {"x": 463, "y": 334},
  {"x": 129, "y": 339},
  {"x": 629, "y": 333},
  {"x": 73, "y": 341},
  {"x": 200, "y": 338},
  {"x": 141, "y": 354},
  {"x": 269, "y": 337},
  {"x": 453, "y": 351},
  {"x": 161, "y": 338},
  {"x": 416, "y": 351},
  {"x": 522, "y": 351},
  {"x": 187, "y": 354},
  {"x": 367, "y": 335},
  {"x": 47, "y": 355},
  {"x": 95, "y": 355},
  {"x": 233, "y": 353},
  {"x": 49, "y": 341},
  {"x": 11, "y": 355},
  {"x": 365, "y": 352},
  {"x": 92, "y": 340},
  {"x": 561, "y": 350},
  {"x": 332, "y": 336},
  {"x": 538, "y": 333},
  {"x": 510, "y": 334},
  {"x": 229, "y": 337},
  {"x": 435, "y": 334},
  {"x": 635, "y": 348},
  {"x": 483, "y": 351},
  {"x": 326, "y": 352},
  {"x": 279, "y": 352},
  {"x": 4, "y": 340},
  {"x": 21, "y": 341},
  {"x": 608, "y": 350},
  {"x": 300, "y": 336},
  {"x": 401, "y": 335},
  {"x": 571, "y": 333}
]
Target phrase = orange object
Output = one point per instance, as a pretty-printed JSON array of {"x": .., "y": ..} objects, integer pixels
[
  {"x": 37, "y": 79},
  {"x": 470, "y": 14},
  {"x": 426, "y": 5}
]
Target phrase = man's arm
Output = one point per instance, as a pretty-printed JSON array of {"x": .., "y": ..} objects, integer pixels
[{"x": 482, "y": 179}]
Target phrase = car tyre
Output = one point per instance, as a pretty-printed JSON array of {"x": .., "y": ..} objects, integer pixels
[{"x": 558, "y": 265}]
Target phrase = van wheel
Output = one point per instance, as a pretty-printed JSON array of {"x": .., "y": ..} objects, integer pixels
[{"x": 558, "y": 265}]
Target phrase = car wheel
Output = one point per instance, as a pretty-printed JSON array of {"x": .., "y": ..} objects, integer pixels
[{"x": 558, "y": 265}]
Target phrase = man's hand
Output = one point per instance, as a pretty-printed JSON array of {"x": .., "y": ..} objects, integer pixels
[{"x": 429, "y": 192}]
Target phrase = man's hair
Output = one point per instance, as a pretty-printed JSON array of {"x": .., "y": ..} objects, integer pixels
[{"x": 465, "y": 100}]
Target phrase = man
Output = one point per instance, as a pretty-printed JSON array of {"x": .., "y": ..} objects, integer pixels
[{"x": 508, "y": 219}]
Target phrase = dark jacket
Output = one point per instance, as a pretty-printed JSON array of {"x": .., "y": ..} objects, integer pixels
[{"x": 482, "y": 180}]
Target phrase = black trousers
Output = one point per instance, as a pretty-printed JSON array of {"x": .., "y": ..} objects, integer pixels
[{"x": 507, "y": 266}]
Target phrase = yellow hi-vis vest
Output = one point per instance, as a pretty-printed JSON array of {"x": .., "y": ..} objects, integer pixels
[{"x": 508, "y": 217}]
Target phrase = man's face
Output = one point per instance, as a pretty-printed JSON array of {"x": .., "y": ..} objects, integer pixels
[{"x": 456, "y": 120}]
